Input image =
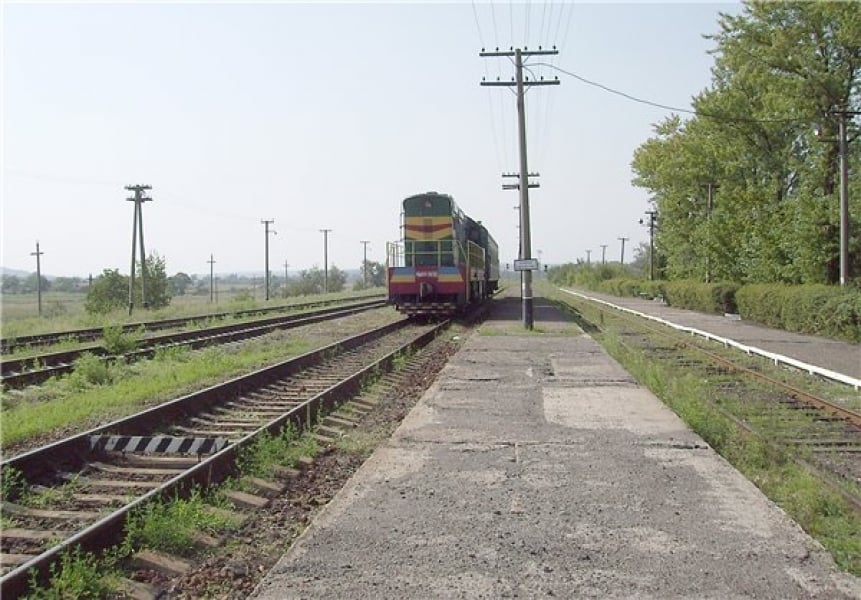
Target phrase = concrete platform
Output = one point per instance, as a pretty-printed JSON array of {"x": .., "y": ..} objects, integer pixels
[{"x": 536, "y": 467}]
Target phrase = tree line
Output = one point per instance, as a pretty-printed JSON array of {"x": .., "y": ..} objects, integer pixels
[
  {"x": 747, "y": 189},
  {"x": 110, "y": 290}
]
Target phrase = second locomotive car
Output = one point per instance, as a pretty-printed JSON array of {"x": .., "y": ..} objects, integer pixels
[{"x": 445, "y": 261}]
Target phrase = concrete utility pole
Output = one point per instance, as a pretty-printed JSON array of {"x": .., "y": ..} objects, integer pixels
[
  {"x": 325, "y": 233},
  {"x": 38, "y": 253},
  {"x": 286, "y": 264},
  {"x": 266, "y": 223},
  {"x": 624, "y": 239},
  {"x": 526, "y": 244},
  {"x": 843, "y": 150},
  {"x": 211, "y": 262},
  {"x": 137, "y": 226},
  {"x": 603, "y": 253},
  {"x": 588, "y": 258},
  {"x": 365, "y": 263},
  {"x": 653, "y": 216},
  {"x": 711, "y": 188}
]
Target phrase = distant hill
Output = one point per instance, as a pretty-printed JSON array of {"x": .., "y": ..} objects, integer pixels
[{"x": 15, "y": 272}]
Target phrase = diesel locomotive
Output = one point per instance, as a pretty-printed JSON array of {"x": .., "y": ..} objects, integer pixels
[{"x": 444, "y": 262}]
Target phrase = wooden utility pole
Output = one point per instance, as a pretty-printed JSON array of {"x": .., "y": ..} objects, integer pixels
[
  {"x": 525, "y": 241},
  {"x": 137, "y": 226},
  {"x": 38, "y": 253},
  {"x": 623, "y": 239},
  {"x": 365, "y": 263},
  {"x": 211, "y": 262}
]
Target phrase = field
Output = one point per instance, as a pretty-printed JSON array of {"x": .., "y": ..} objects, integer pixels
[{"x": 19, "y": 313}]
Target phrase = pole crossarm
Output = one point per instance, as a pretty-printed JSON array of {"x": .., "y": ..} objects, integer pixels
[
  {"x": 526, "y": 82},
  {"x": 524, "y": 52}
]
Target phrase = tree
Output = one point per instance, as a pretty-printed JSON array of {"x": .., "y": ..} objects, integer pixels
[
  {"x": 772, "y": 212},
  {"x": 157, "y": 293},
  {"x": 29, "y": 285},
  {"x": 67, "y": 284},
  {"x": 10, "y": 284},
  {"x": 375, "y": 273},
  {"x": 179, "y": 284},
  {"x": 311, "y": 281},
  {"x": 109, "y": 291}
]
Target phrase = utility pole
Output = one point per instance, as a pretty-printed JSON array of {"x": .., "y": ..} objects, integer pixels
[
  {"x": 653, "y": 216},
  {"x": 137, "y": 226},
  {"x": 365, "y": 264},
  {"x": 843, "y": 150},
  {"x": 711, "y": 188},
  {"x": 624, "y": 239},
  {"x": 525, "y": 245},
  {"x": 38, "y": 253},
  {"x": 211, "y": 262},
  {"x": 286, "y": 264},
  {"x": 266, "y": 223},
  {"x": 588, "y": 258},
  {"x": 325, "y": 233},
  {"x": 603, "y": 253}
]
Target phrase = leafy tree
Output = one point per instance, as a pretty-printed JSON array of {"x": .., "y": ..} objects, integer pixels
[
  {"x": 311, "y": 281},
  {"x": 375, "y": 273},
  {"x": 10, "y": 284},
  {"x": 179, "y": 284},
  {"x": 157, "y": 290},
  {"x": 109, "y": 291},
  {"x": 29, "y": 284},
  {"x": 67, "y": 284},
  {"x": 772, "y": 214}
]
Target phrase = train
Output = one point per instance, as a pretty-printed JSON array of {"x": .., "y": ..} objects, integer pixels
[{"x": 445, "y": 261}]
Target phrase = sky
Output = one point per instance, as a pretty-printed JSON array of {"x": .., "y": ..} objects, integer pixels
[{"x": 326, "y": 116}]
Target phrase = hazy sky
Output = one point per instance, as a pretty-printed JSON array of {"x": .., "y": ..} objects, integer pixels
[{"x": 325, "y": 115}]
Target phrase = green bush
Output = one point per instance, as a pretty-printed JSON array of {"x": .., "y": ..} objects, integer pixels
[
  {"x": 814, "y": 309},
  {"x": 116, "y": 341}
]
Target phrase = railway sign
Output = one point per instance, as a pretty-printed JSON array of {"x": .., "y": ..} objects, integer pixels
[{"x": 526, "y": 264}]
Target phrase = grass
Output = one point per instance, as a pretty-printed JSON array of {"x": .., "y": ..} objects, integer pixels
[
  {"x": 268, "y": 452},
  {"x": 173, "y": 526},
  {"x": 64, "y": 311},
  {"x": 101, "y": 390},
  {"x": 79, "y": 575}
]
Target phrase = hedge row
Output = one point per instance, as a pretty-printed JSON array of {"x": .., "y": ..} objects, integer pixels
[{"x": 816, "y": 309}]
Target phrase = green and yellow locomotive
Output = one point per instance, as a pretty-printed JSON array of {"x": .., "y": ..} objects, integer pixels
[{"x": 445, "y": 261}]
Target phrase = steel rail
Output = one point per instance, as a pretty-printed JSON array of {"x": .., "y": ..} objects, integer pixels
[
  {"x": 72, "y": 452},
  {"x": 851, "y": 416},
  {"x": 10, "y": 344},
  {"x": 777, "y": 359},
  {"x": 15, "y": 374}
]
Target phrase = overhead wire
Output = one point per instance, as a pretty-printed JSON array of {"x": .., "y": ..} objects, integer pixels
[{"x": 699, "y": 113}]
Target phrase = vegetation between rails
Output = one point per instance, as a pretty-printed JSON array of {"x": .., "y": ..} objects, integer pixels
[
  {"x": 99, "y": 390},
  {"x": 820, "y": 511}
]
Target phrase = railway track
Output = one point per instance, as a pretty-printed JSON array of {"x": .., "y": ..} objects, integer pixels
[
  {"x": 93, "y": 480},
  {"x": 822, "y": 435},
  {"x": 17, "y": 344},
  {"x": 17, "y": 373}
]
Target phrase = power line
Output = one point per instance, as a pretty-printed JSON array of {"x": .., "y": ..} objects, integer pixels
[{"x": 674, "y": 108}]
